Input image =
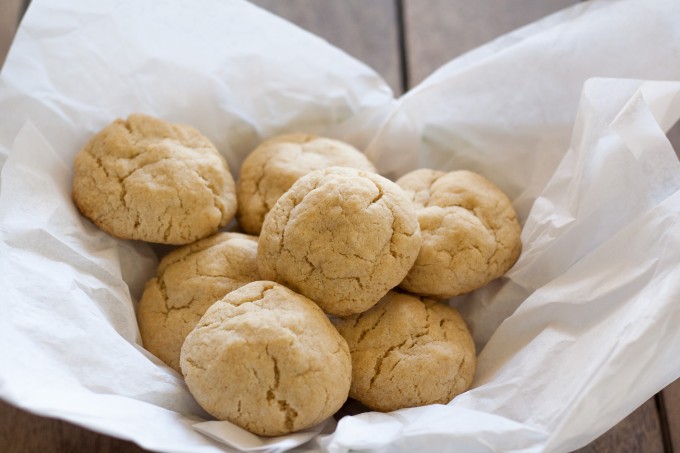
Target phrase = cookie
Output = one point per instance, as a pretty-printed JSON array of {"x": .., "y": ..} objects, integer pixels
[
  {"x": 268, "y": 360},
  {"x": 188, "y": 281},
  {"x": 408, "y": 352},
  {"x": 470, "y": 232},
  {"x": 273, "y": 167},
  {"x": 340, "y": 236},
  {"x": 146, "y": 179}
]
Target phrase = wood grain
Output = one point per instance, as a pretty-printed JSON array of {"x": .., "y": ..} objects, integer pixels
[
  {"x": 671, "y": 399},
  {"x": 439, "y": 30},
  {"x": 639, "y": 432},
  {"x": 367, "y": 30},
  {"x": 23, "y": 432}
]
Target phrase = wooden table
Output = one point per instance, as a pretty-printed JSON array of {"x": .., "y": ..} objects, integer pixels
[{"x": 404, "y": 40}]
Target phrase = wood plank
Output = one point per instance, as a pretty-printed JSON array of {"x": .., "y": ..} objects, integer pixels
[
  {"x": 23, "y": 432},
  {"x": 671, "y": 400},
  {"x": 439, "y": 30},
  {"x": 674, "y": 136},
  {"x": 639, "y": 432},
  {"x": 10, "y": 12},
  {"x": 366, "y": 30}
]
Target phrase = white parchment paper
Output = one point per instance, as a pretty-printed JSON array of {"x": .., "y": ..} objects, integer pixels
[{"x": 566, "y": 115}]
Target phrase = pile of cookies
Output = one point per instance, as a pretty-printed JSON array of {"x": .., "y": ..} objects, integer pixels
[{"x": 273, "y": 328}]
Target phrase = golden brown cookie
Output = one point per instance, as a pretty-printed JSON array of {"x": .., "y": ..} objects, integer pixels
[
  {"x": 408, "y": 352},
  {"x": 268, "y": 360},
  {"x": 273, "y": 167},
  {"x": 144, "y": 178},
  {"x": 188, "y": 281},
  {"x": 340, "y": 236},
  {"x": 470, "y": 232}
]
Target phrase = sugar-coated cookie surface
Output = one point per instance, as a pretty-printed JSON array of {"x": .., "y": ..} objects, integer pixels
[
  {"x": 273, "y": 167},
  {"x": 470, "y": 232},
  {"x": 340, "y": 236},
  {"x": 146, "y": 179},
  {"x": 189, "y": 280},
  {"x": 408, "y": 352},
  {"x": 268, "y": 360}
]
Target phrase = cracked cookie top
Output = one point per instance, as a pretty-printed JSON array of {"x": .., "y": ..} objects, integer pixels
[
  {"x": 342, "y": 237},
  {"x": 408, "y": 352},
  {"x": 150, "y": 180},
  {"x": 273, "y": 167},
  {"x": 470, "y": 231},
  {"x": 189, "y": 280},
  {"x": 268, "y": 360}
]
